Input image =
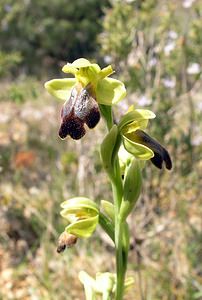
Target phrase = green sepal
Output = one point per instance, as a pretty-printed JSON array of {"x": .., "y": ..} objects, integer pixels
[
  {"x": 110, "y": 91},
  {"x": 83, "y": 228},
  {"x": 80, "y": 202},
  {"x": 77, "y": 208},
  {"x": 131, "y": 189},
  {"x": 60, "y": 88},
  {"x": 137, "y": 149},
  {"x": 81, "y": 63},
  {"x": 107, "y": 149}
]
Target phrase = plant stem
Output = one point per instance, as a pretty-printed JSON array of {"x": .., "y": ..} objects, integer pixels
[
  {"x": 120, "y": 230},
  {"x": 117, "y": 189},
  {"x": 120, "y": 272}
]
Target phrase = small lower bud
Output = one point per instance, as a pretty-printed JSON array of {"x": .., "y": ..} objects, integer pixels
[{"x": 66, "y": 240}]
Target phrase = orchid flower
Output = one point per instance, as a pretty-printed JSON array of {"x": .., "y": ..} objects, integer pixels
[
  {"x": 138, "y": 143},
  {"x": 82, "y": 94}
]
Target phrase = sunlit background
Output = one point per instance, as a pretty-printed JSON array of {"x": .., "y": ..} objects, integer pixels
[{"x": 155, "y": 46}]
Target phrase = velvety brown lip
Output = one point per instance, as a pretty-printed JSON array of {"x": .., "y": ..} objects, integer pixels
[
  {"x": 79, "y": 110},
  {"x": 160, "y": 153}
]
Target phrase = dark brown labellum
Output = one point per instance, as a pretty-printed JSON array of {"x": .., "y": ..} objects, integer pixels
[
  {"x": 79, "y": 110},
  {"x": 160, "y": 153}
]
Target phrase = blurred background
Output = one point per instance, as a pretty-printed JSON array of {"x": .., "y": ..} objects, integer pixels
[{"x": 155, "y": 46}]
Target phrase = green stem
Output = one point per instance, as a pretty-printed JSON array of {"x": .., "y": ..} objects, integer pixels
[
  {"x": 121, "y": 244},
  {"x": 117, "y": 189},
  {"x": 120, "y": 269}
]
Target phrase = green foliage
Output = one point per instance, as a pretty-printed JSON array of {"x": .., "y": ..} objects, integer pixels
[
  {"x": 118, "y": 19},
  {"x": 9, "y": 62},
  {"x": 20, "y": 91},
  {"x": 49, "y": 31}
]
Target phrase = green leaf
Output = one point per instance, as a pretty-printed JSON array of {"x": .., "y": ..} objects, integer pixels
[
  {"x": 138, "y": 150},
  {"x": 83, "y": 228},
  {"x": 108, "y": 209},
  {"x": 107, "y": 148},
  {"x": 110, "y": 91},
  {"x": 60, "y": 88},
  {"x": 131, "y": 189}
]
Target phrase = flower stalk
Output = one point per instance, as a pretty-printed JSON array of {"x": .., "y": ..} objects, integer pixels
[{"x": 89, "y": 96}]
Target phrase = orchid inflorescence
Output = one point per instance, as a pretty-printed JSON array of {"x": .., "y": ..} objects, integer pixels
[{"x": 88, "y": 96}]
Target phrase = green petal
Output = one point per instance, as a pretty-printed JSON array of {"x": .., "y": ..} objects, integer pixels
[
  {"x": 138, "y": 150},
  {"x": 79, "y": 202},
  {"x": 107, "y": 71},
  {"x": 136, "y": 116},
  {"x": 83, "y": 228},
  {"x": 133, "y": 126},
  {"x": 110, "y": 91},
  {"x": 60, "y": 88},
  {"x": 69, "y": 69},
  {"x": 78, "y": 208}
]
